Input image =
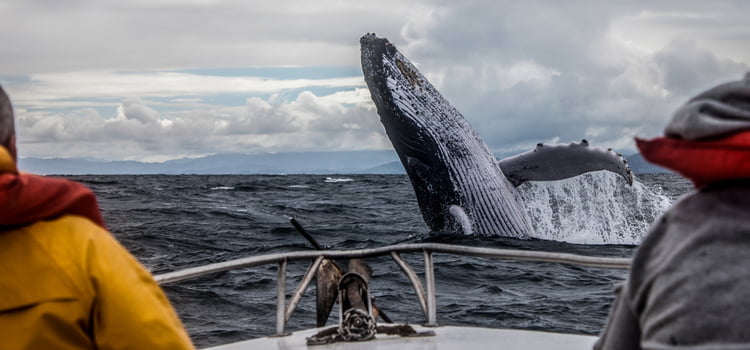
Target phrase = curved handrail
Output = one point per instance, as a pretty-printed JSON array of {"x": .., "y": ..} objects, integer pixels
[
  {"x": 426, "y": 296},
  {"x": 507, "y": 254}
]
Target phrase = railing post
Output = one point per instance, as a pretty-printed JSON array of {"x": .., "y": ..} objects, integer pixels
[
  {"x": 297, "y": 296},
  {"x": 429, "y": 276},
  {"x": 281, "y": 298},
  {"x": 415, "y": 282}
]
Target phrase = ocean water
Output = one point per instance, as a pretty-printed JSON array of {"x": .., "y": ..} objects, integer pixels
[{"x": 172, "y": 222}]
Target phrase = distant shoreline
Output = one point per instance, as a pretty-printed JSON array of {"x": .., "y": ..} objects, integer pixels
[{"x": 309, "y": 163}]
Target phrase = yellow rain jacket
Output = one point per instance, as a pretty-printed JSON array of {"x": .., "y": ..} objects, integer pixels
[{"x": 66, "y": 283}]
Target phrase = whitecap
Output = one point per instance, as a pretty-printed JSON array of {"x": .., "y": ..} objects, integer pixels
[
  {"x": 336, "y": 179},
  {"x": 298, "y": 186}
]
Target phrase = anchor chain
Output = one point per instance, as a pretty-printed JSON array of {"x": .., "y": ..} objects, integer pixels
[{"x": 357, "y": 325}]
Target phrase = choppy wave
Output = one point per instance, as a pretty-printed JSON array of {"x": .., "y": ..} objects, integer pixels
[{"x": 594, "y": 208}]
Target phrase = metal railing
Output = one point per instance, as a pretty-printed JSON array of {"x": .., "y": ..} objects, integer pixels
[{"x": 425, "y": 296}]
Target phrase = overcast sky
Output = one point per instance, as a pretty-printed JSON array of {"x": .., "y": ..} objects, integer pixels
[{"x": 162, "y": 79}]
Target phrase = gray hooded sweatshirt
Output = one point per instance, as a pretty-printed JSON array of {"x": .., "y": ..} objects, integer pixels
[{"x": 689, "y": 283}]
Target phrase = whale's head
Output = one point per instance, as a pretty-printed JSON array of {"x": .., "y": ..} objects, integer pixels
[
  {"x": 446, "y": 160},
  {"x": 388, "y": 74}
]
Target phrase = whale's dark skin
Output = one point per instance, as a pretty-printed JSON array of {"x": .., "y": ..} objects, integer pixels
[
  {"x": 458, "y": 183},
  {"x": 455, "y": 176},
  {"x": 413, "y": 145}
]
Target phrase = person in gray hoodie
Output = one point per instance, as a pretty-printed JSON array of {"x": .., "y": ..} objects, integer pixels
[{"x": 689, "y": 282}]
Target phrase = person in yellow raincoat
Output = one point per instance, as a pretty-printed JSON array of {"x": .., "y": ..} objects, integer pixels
[{"x": 65, "y": 282}]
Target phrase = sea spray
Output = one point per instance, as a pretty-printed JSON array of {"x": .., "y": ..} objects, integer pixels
[{"x": 594, "y": 208}]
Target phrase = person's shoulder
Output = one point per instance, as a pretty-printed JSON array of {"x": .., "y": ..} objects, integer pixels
[
  {"x": 698, "y": 214},
  {"x": 721, "y": 198},
  {"x": 67, "y": 230},
  {"x": 72, "y": 222},
  {"x": 721, "y": 207}
]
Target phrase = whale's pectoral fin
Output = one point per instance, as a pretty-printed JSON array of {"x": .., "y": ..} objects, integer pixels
[
  {"x": 556, "y": 162},
  {"x": 420, "y": 169},
  {"x": 461, "y": 219},
  {"x": 328, "y": 276}
]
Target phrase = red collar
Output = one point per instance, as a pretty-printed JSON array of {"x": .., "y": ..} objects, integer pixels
[
  {"x": 703, "y": 162},
  {"x": 26, "y": 198}
]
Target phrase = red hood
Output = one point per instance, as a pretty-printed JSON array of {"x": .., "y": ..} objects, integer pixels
[
  {"x": 704, "y": 161},
  {"x": 26, "y": 198}
]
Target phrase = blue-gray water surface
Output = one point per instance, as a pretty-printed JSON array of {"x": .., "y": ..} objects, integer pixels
[{"x": 172, "y": 222}]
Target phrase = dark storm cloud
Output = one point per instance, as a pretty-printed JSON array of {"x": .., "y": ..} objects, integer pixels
[
  {"x": 688, "y": 69},
  {"x": 525, "y": 72}
]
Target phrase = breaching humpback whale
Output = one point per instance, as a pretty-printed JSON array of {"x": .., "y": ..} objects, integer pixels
[{"x": 459, "y": 184}]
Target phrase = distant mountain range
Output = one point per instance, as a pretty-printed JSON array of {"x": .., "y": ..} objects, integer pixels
[
  {"x": 355, "y": 162},
  {"x": 376, "y": 162}
]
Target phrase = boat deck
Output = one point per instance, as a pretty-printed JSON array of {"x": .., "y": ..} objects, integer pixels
[{"x": 445, "y": 338}]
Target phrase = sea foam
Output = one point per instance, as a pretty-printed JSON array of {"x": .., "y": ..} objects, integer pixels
[{"x": 594, "y": 208}]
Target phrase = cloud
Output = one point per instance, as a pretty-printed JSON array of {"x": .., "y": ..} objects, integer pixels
[
  {"x": 43, "y": 36},
  {"x": 149, "y": 79},
  {"x": 344, "y": 120},
  {"x": 688, "y": 69},
  {"x": 525, "y": 72},
  {"x": 134, "y": 109},
  {"x": 71, "y": 88}
]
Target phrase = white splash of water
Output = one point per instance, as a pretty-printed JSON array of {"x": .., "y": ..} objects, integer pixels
[
  {"x": 335, "y": 180},
  {"x": 594, "y": 208},
  {"x": 298, "y": 186}
]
